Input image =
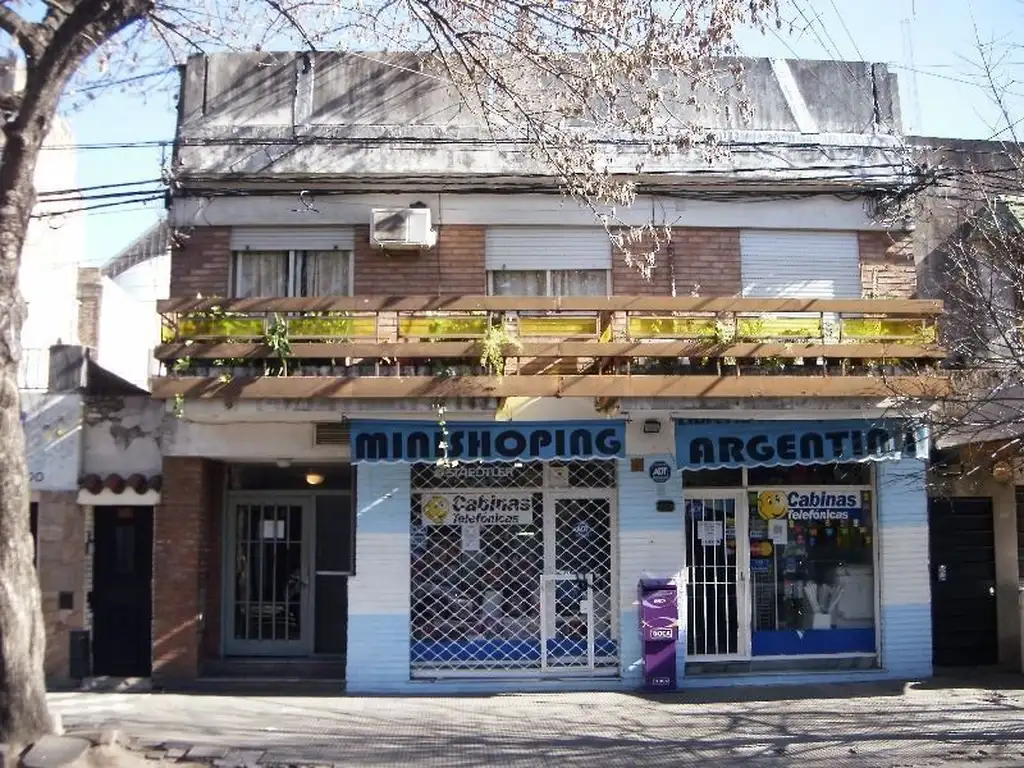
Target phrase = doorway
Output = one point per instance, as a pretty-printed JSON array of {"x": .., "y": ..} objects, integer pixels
[
  {"x": 121, "y": 599},
  {"x": 963, "y": 579},
  {"x": 288, "y": 559},
  {"x": 270, "y": 541},
  {"x": 717, "y": 610}
]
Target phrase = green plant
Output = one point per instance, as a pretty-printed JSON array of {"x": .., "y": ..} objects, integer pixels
[
  {"x": 182, "y": 364},
  {"x": 178, "y": 406},
  {"x": 493, "y": 346},
  {"x": 277, "y": 339}
]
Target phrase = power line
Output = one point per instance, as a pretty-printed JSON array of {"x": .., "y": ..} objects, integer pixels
[
  {"x": 76, "y": 190},
  {"x": 66, "y": 211},
  {"x": 842, "y": 21}
]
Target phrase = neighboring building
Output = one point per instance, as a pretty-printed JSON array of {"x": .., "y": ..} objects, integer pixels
[
  {"x": 969, "y": 234},
  {"x": 725, "y": 426}
]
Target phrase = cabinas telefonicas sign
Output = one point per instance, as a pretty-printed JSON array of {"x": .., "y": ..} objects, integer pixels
[
  {"x": 381, "y": 441},
  {"x": 721, "y": 445}
]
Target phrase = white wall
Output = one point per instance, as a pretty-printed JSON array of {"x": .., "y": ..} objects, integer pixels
[
  {"x": 54, "y": 248},
  {"x": 124, "y": 435},
  {"x": 129, "y": 329}
]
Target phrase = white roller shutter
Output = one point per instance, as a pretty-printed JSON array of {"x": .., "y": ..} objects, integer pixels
[
  {"x": 800, "y": 265},
  {"x": 292, "y": 239},
  {"x": 522, "y": 248}
]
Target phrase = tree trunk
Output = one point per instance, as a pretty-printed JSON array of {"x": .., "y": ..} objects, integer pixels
[
  {"x": 55, "y": 49},
  {"x": 23, "y": 713}
]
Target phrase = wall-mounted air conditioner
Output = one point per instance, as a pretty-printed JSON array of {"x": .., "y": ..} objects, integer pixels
[{"x": 402, "y": 228}]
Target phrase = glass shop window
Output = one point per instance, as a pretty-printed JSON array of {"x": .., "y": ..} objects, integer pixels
[
  {"x": 811, "y": 474},
  {"x": 713, "y": 478},
  {"x": 812, "y": 570}
]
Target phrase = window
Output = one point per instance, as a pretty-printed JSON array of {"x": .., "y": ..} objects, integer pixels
[
  {"x": 549, "y": 282},
  {"x": 292, "y": 273}
]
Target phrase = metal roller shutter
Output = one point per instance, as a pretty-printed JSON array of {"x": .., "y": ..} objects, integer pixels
[
  {"x": 521, "y": 248},
  {"x": 800, "y": 265},
  {"x": 292, "y": 239}
]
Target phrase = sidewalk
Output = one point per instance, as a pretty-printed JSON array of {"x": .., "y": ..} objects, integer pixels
[{"x": 940, "y": 723}]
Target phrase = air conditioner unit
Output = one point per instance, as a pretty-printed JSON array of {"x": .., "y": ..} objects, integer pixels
[{"x": 402, "y": 228}]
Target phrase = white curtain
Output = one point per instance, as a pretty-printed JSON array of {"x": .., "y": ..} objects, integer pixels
[
  {"x": 261, "y": 274},
  {"x": 325, "y": 273},
  {"x": 579, "y": 282},
  {"x": 519, "y": 283}
]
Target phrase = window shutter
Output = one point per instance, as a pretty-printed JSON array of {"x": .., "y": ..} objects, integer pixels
[
  {"x": 532, "y": 248},
  {"x": 800, "y": 265},
  {"x": 292, "y": 239}
]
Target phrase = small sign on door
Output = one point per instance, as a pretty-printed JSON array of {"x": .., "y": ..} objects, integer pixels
[
  {"x": 710, "y": 532},
  {"x": 273, "y": 529}
]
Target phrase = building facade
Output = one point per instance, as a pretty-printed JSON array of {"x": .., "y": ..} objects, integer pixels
[{"x": 427, "y": 430}]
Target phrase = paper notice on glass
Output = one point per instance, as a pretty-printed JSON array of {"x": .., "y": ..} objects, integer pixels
[
  {"x": 273, "y": 529},
  {"x": 710, "y": 532},
  {"x": 471, "y": 537},
  {"x": 778, "y": 532}
]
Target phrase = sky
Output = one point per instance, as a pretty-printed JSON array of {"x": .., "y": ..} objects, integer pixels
[{"x": 933, "y": 46}]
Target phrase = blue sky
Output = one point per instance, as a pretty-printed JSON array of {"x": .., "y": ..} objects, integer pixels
[{"x": 931, "y": 43}]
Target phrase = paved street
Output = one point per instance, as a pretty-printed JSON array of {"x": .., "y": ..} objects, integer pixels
[{"x": 930, "y": 724}]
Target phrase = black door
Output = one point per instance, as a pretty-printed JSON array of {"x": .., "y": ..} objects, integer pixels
[
  {"x": 963, "y": 573},
  {"x": 122, "y": 590}
]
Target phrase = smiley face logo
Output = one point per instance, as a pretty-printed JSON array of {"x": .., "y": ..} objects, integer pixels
[
  {"x": 771, "y": 505},
  {"x": 435, "y": 509}
]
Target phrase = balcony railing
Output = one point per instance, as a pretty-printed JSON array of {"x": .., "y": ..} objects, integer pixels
[{"x": 486, "y": 346}]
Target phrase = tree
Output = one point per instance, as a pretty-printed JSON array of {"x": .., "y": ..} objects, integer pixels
[{"x": 570, "y": 81}]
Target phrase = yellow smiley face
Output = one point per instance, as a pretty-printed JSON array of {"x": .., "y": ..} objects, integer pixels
[
  {"x": 435, "y": 509},
  {"x": 771, "y": 505}
]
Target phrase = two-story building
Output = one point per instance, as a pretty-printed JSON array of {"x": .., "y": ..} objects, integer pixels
[{"x": 430, "y": 429}]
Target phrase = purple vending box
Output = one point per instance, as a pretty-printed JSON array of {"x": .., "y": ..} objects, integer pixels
[{"x": 659, "y": 629}]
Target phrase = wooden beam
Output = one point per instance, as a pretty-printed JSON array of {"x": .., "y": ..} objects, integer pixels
[
  {"x": 565, "y": 349},
  {"x": 890, "y": 307},
  {"x": 550, "y": 386}
]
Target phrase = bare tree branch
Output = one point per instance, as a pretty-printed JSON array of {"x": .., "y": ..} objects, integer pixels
[{"x": 31, "y": 37}]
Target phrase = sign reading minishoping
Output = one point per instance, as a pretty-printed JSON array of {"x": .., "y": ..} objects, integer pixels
[
  {"x": 412, "y": 441},
  {"x": 730, "y": 445}
]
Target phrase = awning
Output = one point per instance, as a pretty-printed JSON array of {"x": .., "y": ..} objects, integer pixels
[
  {"x": 734, "y": 444},
  {"x": 413, "y": 441}
]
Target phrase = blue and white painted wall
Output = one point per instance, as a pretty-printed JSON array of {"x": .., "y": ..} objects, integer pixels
[
  {"x": 378, "y": 596},
  {"x": 903, "y": 568}
]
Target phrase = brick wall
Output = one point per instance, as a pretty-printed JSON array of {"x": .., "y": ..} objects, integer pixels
[
  {"x": 887, "y": 269},
  {"x": 62, "y": 560},
  {"x": 706, "y": 261},
  {"x": 697, "y": 261},
  {"x": 183, "y": 560},
  {"x": 201, "y": 262},
  {"x": 627, "y": 279},
  {"x": 454, "y": 267},
  {"x": 90, "y": 297}
]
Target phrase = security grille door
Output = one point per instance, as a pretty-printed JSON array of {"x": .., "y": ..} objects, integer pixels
[
  {"x": 717, "y": 624},
  {"x": 578, "y": 626},
  {"x": 518, "y": 592},
  {"x": 271, "y": 542}
]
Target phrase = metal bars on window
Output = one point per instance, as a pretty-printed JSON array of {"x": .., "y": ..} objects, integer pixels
[
  {"x": 268, "y": 572},
  {"x": 713, "y": 587}
]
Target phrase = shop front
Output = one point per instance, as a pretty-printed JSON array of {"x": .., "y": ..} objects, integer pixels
[
  {"x": 497, "y": 553},
  {"x": 512, "y": 545},
  {"x": 782, "y": 547}
]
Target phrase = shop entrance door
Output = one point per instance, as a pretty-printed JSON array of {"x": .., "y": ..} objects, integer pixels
[
  {"x": 271, "y": 544},
  {"x": 717, "y": 560},
  {"x": 576, "y": 589},
  {"x": 962, "y": 543}
]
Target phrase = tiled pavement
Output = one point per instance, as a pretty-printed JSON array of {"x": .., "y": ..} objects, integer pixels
[{"x": 939, "y": 723}]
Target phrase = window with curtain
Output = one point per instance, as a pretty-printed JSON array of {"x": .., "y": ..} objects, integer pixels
[
  {"x": 265, "y": 274},
  {"x": 552, "y": 282}
]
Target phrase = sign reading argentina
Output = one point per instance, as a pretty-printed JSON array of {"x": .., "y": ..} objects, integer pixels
[
  {"x": 391, "y": 441},
  {"x": 730, "y": 445}
]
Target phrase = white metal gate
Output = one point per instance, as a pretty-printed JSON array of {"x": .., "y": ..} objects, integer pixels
[
  {"x": 531, "y": 593},
  {"x": 717, "y": 557}
]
